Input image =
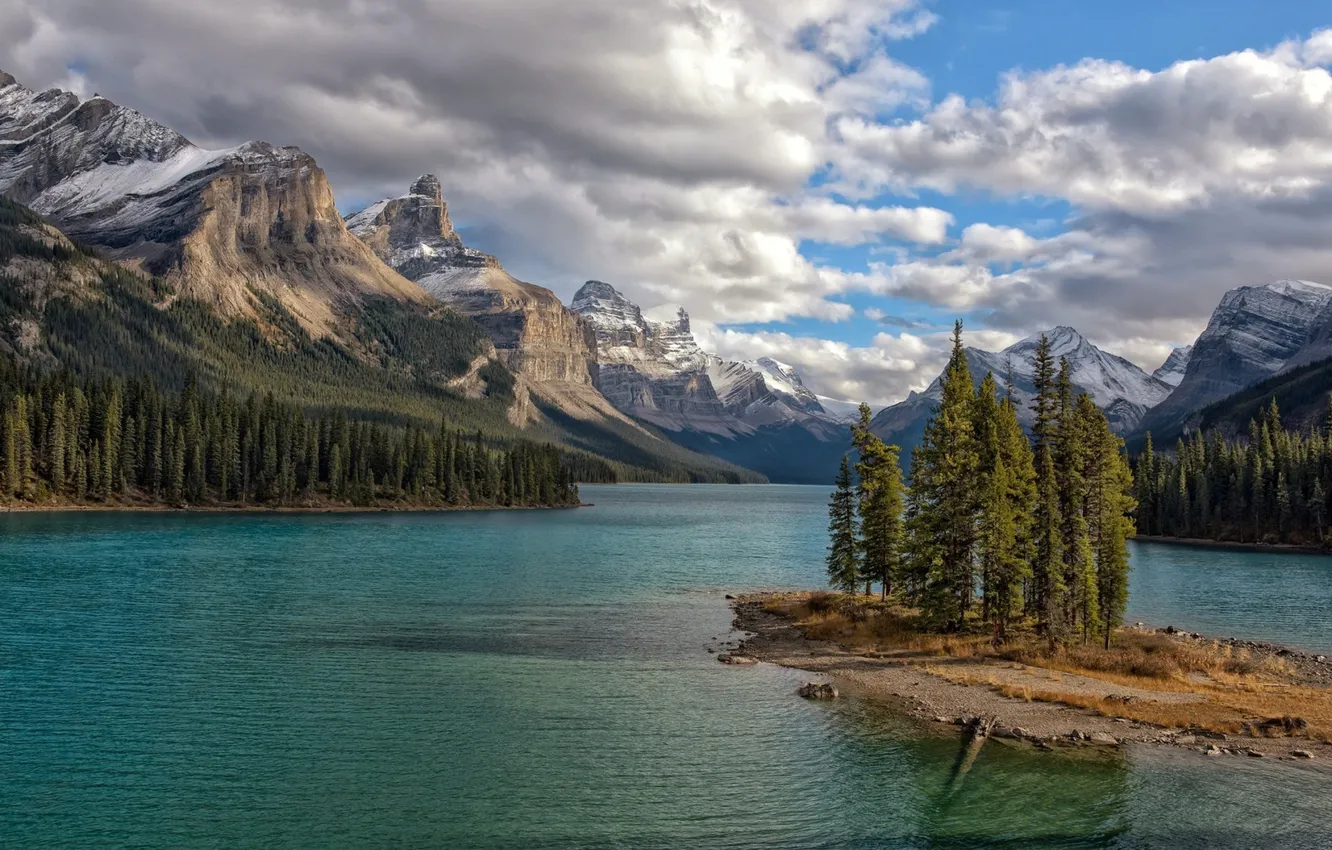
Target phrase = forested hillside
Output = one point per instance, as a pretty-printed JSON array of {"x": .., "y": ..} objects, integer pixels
[
  {"x": 406, "y": 368},
  {"x": 1270, "y": 486}
]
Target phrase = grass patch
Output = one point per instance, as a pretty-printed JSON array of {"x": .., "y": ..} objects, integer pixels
[{"x": 1233, "y": 685}]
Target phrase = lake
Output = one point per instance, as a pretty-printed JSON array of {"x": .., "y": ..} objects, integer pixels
[{"x": 540, "y": 680}]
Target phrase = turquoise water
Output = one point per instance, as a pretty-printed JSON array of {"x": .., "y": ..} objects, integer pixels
[{"x": 539, "y": 680}]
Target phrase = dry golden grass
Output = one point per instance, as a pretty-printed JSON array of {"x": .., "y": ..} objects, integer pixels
[{"x": 1234, "y": 685}]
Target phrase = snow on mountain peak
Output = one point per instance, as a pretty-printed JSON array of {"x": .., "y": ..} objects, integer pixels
[
  {"x": 1172, "y": 370},
  {"x": 668, "y": 314}
]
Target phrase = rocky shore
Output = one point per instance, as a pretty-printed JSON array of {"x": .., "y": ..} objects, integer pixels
[{"x": 947, "y": 692}]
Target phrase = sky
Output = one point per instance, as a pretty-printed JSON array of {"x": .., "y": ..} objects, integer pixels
[{"x": 827, "y": 182}]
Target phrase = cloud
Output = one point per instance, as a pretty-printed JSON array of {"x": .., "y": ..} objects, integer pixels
[
  {"x": 1183, "y": 183},
  {"x": 666, "y": 145},
  {"x": 880, "y": 373},
  {"x": 687, "y": 149},
  {"x": 877, "y": 315}
]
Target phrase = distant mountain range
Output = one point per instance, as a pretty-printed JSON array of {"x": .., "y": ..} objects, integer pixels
[
  {"x": 1254, "y": 333},
  {"x": 235, "y": 265},
  {"x": 243, "y": 273},
  {"x": 757, "y": 414},
  {"x": 1124, "y": 391}
]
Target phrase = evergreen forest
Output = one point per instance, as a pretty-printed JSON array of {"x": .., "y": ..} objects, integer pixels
[
  {"x": 124, "y": 442},
  {"x": 993, "y": 527},
  {"x": 1270, "y": 486}
]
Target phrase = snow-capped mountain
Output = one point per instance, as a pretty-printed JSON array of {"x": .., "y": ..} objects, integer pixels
[
  {"x": 551, "y": 348},
  {"x": 651, "y": 366},
  {"x": 1253, "y": 334},
  {"x": 223, "y": 225},
  {"x": 1117, "y": 386},
  {"x": 1172, "y": 370}
]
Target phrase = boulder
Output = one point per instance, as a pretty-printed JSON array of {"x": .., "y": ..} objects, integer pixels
[
  {"x": 1103, "y": 738},
  {"x": 1301, "y": 754},
  {"x": 817, "y": 690},
  {"x": 737, "y": 660}
]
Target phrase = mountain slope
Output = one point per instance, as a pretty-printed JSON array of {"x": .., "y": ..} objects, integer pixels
[
  {"x": 247, "y": 261},
  {"x": 550, "y": 348},
  {"x": 1117, "y": 386},
  {"x": 223, "y": 226},
  {"x": 758, "y": 415},
  {"x": 1253, "y": 333},
  {"x": 1172, "y": 370}
]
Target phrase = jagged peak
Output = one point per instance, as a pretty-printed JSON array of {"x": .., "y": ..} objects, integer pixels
[
  {"x": 1293, "y": 286},
  {"x": 427, "y": 186},
  {"x": 673, "y": 315},
  {"x": 1063, "y": 340},
  {"x": 7, "y": 80},
  {"x": 598, "y": 289},
  {"x": 417, "y": 218}
]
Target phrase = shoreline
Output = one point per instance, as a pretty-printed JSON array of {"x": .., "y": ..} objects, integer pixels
[
  {"x": 1204, "y": 543},
  {"x": 944, "y": 692}
]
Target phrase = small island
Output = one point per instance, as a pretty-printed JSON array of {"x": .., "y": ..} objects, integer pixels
[{"x": 1002, "y": 574}]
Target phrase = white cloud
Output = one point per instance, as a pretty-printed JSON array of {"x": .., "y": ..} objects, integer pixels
[
  {"x": 669, "y": 146},
  {"x": 662, "y": 144},
  {"x": 879, "y": 373}
]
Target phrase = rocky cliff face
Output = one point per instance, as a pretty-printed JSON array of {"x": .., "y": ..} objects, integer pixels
[
  {"x": 1253, "y": 334},
  {"x": 651, "y": 366},
  {"x": 536, "y": 336},
  {"x": 228, "y": 227},
  {"x": 1122, "y": 390},
  {"x": 1172, "y": 370}
]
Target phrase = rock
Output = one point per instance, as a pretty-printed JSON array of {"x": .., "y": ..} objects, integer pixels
[
  {"x": 1186, "y": 740},
  {"x": 817, "y": 690},
  {"x": 730, "y": 596},
  {"x": 1213, "y": 750},
  {"x": 1301, "y": 754},
  {"x": 1103, "y": 738},
  {"x": 1254, "y": 754},
  {"x": 1041, "y": 745},
  {"x": 737, "y": 660},
  {"x": 942, "y": 720},
  {"x": 1019, "y": 732}
]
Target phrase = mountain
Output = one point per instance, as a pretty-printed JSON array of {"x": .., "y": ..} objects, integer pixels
[
  {"x": 1254, "y": 333},
  {"x": 227, "y": 227},
  {"x": 757, "y": 414},
  {"x": 235, "y": 267},
  {"x": 1118, "y": 387},
  {"x": 1172, "y": 370},
  {"x": 549, "y": 347}
]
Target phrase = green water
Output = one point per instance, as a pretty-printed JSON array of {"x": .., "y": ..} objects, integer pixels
[{"x": 540, "y": 680}]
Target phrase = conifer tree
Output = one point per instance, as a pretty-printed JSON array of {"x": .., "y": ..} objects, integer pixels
[
  {"x": 1007, "y": 501},
  {"x": 879, "y": 506},
  {"x": 942, "y": 520},
  {"x": 1046, "y": 598},
  {"x": 842, "y": 561}
]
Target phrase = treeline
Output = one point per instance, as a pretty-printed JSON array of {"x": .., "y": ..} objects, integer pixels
[
  {"x": 1271, "y": 487},
  {"x": 122, "y": 442},
  {"x": 390, "y": 363},
  {"x": 993, "y": 525}
]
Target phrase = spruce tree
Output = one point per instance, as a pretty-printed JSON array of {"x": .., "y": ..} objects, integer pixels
[
  {"x": 842, "y": 561},
  {"x": 942, "y": 520},
  {"x": 879, "y": 505},
  {"x": 1007, "y": 489},
  {"x": 1046, "y": 598}
]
